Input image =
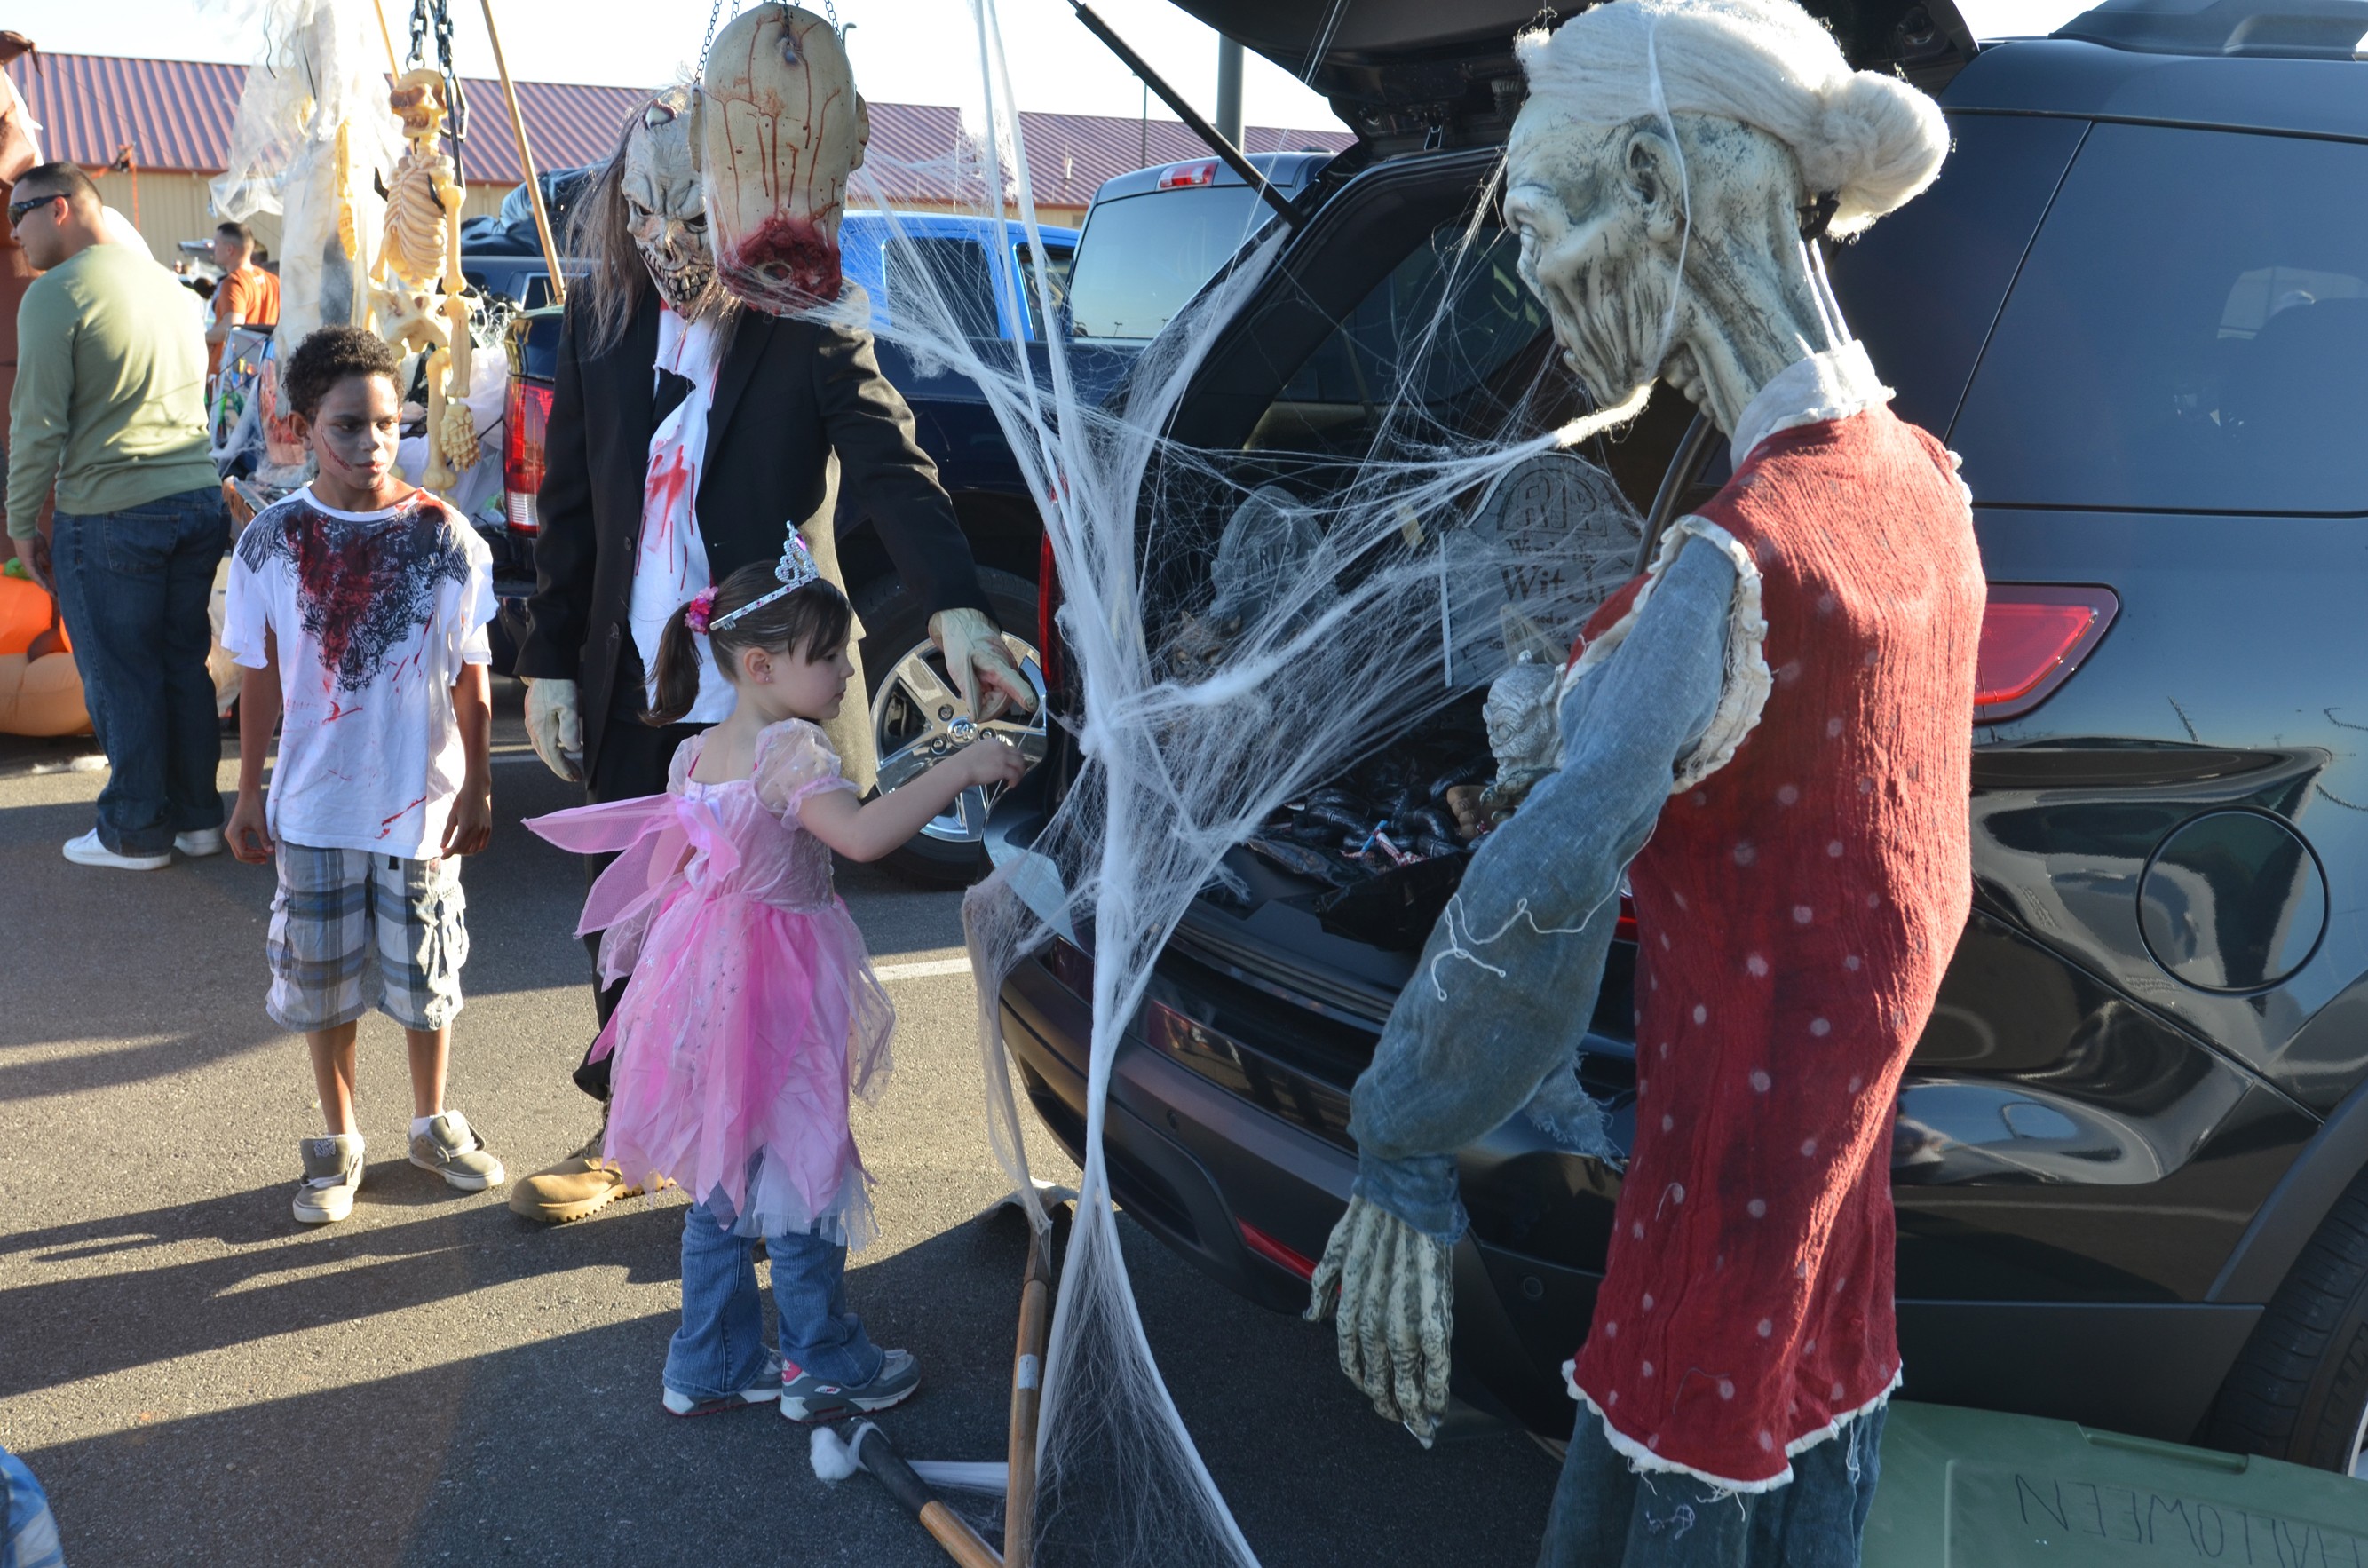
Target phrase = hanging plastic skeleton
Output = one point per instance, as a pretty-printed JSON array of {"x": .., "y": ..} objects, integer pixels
[{"x": 419, "y": 256}]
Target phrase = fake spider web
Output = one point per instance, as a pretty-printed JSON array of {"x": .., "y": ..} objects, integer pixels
[{"x": 1244, "y": 623}]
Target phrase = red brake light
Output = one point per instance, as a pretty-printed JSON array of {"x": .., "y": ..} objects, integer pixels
[
  {"x": 528, "y": 412},
  {"x": 2034, "y": 636},
  {"x": 1274, "y": 1251},
  {"x": 1625, "y": 930},
  {"x": 1184, "y": 175}
]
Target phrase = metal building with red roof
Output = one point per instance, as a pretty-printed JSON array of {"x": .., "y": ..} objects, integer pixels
[{"x": 161, "y": 128}]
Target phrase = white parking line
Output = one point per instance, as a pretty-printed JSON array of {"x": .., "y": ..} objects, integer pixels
[{"x": 923, "y": 969}]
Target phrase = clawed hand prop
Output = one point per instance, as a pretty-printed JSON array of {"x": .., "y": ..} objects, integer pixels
[
  {"x": 1393, "y": 1292},
  {"x": 556, "y": 727},
  {"x": 976, "y": 661}
]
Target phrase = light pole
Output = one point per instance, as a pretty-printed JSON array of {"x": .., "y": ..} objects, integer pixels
[{"x": 1229, "y": 90}]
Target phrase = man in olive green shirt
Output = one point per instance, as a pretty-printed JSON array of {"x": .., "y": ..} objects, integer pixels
[{"x": 109, "y": 406}]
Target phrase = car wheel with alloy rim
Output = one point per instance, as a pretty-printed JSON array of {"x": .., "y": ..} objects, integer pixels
[{"x": 918, "y": 718}]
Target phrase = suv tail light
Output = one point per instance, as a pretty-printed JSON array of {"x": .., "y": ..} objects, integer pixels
[
  {"x": 2034, "y": 636},
  {"x": 1187, "y": 175},
  {"x": 528, "y": 412}
]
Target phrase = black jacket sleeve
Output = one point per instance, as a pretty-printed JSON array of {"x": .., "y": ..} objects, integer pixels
[
  {"x": 559, "y": 611},
  {"x": 887, "y": 474}
]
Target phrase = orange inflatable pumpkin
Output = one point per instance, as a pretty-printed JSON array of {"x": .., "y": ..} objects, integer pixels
[{"x": 40, "y": 690}]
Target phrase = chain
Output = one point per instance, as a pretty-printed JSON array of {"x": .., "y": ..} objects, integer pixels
[{"x": 715, "y": 11}]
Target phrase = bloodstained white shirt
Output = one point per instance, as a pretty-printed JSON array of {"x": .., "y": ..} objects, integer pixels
[{"x": 671, "y": 561}]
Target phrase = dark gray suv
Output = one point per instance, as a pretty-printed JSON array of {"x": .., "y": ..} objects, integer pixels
[{"x": 2130, "y": 1149}]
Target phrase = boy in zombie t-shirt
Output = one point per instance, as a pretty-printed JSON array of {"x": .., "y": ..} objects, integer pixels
[{"x": 364, "y": 601}]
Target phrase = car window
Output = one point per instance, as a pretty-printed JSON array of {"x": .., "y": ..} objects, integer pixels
[
  {"x": 1142, "y": 258},
  {"x": 1922, "y": 287},
  {"x": 2190, "y": 332},
  {"x": 1334, "y": 402},
  {"x": 1058, "y": 261},
  {"x": 957, "y": 268}
]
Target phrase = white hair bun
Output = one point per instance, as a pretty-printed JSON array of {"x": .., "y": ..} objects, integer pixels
[
  {"x": 1871, "y": 142},
  {"x": 1878, "y": 143}
]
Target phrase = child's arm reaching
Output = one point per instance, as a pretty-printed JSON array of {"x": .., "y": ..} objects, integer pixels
[{"x": 869, "y": 831}]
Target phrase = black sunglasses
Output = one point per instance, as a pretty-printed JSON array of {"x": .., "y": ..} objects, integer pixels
[{"x": 17, "y": 209}]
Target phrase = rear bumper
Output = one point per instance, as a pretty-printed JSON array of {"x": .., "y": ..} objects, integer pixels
[{"x": 1192, "y": 1162}]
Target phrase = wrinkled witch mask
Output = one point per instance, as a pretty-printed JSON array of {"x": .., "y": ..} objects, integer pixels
[
  {"x": 666, "y": 210},
  {"x": 781, "y": 128}
]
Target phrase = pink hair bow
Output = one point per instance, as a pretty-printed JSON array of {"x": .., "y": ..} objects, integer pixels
[{"x": 696, "y": 613}]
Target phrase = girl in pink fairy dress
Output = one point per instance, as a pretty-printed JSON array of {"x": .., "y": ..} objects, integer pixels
[{"x": 752, "y": 1010}]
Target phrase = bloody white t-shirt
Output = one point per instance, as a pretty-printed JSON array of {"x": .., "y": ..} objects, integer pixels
[{"x": 374, "y": 615}]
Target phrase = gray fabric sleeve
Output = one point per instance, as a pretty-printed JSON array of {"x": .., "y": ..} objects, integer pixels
[{"x": 1508, "y": 981}]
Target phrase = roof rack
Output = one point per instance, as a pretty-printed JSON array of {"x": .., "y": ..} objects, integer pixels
[{"x": 2295, "y": 30}]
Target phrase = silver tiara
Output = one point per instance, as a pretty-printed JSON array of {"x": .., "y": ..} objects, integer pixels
[{"x": 796, "y": 570}]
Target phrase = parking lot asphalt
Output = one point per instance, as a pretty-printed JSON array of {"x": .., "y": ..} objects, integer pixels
[{"x": 197, "y": 1380}]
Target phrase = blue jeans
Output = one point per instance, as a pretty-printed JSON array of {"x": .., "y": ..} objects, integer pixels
[
  {"x": 1606, "y": 1515},
  {"x": 719, "y": 1348},
  {"x": 134, "y": 586}
]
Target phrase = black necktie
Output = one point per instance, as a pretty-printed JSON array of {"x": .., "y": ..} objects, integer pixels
[{"x": 672, "y": 390}]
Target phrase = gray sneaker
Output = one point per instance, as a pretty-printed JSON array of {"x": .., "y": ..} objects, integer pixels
[
  {"x": 805, "y": 1397},
  {"x": 451, "y": 1148},
  {"x": 333, "y": 1174}
]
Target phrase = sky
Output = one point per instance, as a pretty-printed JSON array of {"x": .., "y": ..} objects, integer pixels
[{"x": 903, "y": 50}]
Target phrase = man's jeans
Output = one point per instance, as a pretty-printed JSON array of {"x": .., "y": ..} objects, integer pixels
[
  {"x": 719, "y": 1348},
  {"x": 134, "y": 586},
  {"x": 1606, "y": 1515}
]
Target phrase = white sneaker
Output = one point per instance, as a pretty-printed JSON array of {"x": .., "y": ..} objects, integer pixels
[
  {"x": 89, "y": 851},
  {"x": 198, "y": 842},
  {"x": 333, "y": 1174}
]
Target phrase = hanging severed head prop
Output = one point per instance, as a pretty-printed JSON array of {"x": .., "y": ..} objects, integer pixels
[
  {"x": 666, "y": 210},
  {"x": 781, "y": 128},
  {"x": 1670, "y": 160}
]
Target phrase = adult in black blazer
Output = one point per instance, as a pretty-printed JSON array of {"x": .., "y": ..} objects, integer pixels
[
  {"x": 790, "y": 394},
  {"x": 799, "y": 407}
]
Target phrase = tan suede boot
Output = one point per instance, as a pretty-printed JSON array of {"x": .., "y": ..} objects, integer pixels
[{"x": 569, "y": 1190}]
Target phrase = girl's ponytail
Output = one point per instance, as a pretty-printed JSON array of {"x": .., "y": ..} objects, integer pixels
[{"x": 678, "y": 672}]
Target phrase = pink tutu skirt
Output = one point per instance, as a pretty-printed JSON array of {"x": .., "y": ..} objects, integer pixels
[{"x": 752, "y": 1012}]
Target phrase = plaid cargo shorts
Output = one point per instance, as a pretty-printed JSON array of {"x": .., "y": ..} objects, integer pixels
[{"x": 350, "y": 929}]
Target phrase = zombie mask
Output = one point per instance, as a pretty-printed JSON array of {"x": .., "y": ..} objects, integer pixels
[
  {"x": 781, "y": 128},
  {"x": 666, "y": 210}
]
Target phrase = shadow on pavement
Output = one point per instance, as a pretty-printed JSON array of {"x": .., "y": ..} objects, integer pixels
[
  {"x": 559, "y": 1451},
  {"x": 380, "y": 1261}
]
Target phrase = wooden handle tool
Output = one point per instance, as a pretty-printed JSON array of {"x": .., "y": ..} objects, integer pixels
[
  {"x": 874, "y": 1452},
  {"x": 1026, "y": 1392}
]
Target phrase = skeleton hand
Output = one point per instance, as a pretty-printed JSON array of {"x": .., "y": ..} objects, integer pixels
[
  {"x": 1394, "y": 1289},
  {"x": 974, "y": 658},
  {"x": 554, "y": 726}
]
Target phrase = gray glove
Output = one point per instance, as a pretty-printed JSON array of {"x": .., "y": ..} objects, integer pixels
[
  {"x": 1394, "y": 1289},
  {"x": 555, "y": 727}
]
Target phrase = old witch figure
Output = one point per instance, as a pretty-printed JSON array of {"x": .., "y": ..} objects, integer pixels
[{"x": 1769, "y": 732}]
